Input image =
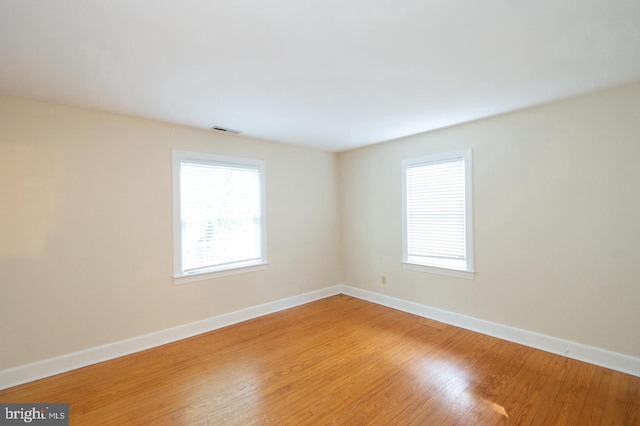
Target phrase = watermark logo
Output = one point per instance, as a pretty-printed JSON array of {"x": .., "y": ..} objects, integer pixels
[{"x": 39, "y": 414}]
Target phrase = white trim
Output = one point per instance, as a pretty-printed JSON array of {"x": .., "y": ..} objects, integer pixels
[
  {"x": 467, "y": 275},
  {"x": 48, "y": 367},
  {"x": 467, "y": 156},
  {"x": 177, "y": 158},
  {"x": 217, "y": 274},
  {"x": 581, "y": 352}
]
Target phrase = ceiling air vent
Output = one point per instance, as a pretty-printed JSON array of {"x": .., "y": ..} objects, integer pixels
[{"x": 225, "y": 130}]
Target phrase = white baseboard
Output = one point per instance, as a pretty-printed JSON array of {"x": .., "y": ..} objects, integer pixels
[
  {"x": 593, "y": 355},
  {"x": 48, "y": 367}
]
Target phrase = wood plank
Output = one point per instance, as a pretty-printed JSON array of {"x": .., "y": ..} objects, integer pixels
[{"x": 340, "y": 360}]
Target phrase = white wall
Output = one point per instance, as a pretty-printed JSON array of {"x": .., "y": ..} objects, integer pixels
[
  {"x": 556, "y": 212},
  {"x": 86, "y": 229},
  {"x": 86, "y": 241}
]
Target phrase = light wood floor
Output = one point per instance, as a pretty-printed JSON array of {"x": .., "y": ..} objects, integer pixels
[{"x": 343, "y": 361}]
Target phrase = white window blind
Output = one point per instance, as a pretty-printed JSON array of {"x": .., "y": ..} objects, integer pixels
[
  {"x": 220, "y": 214},
  {"x": 437, "y": 218}
]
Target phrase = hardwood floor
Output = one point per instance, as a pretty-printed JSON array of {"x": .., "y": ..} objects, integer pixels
[{"x": 341, "y": 361}]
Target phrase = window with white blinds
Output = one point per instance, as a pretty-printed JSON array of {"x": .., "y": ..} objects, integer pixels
[
  {"x": 218, "y": 213},
  {"x": 437, "y": 212}
]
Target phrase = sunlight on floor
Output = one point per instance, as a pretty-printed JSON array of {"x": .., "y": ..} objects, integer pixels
[
  {"x": 455, "y": 385},
  {"x": 497, "y": 408},
  {"x": 454, "y": 381}
]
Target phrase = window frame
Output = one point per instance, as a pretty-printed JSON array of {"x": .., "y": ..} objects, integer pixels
[
  {"x": 468, "y": 271},
  {"x": 178, "y": 157}
]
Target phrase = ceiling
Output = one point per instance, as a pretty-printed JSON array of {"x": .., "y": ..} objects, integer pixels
[{"x": 328, "y": 74}]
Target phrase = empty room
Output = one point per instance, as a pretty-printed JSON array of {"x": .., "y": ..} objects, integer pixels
[{"x": 315, "y": 212}]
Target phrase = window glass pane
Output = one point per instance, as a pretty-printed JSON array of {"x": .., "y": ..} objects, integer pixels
[
  {"x": 435, "y": 213},
  {"x": 221, "y": 217}
]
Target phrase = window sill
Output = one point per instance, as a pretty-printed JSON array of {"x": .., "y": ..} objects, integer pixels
[
  {"x": 183, "y": 279},
  {"x": 468, "y": 275}
]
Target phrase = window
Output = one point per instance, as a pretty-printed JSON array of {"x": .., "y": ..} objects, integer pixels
[
  {"x": 218, "y": 215},
  {"x": 437, "y": 222}
]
